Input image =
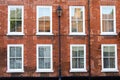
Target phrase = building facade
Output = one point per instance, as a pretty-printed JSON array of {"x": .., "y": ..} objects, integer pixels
[{"x": 89, "y": 36}]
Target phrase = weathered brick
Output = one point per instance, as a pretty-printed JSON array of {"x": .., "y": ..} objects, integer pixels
[{"x": 30, "y": 39}]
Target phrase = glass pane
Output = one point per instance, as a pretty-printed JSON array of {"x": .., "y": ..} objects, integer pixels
[
  {"x": 105, "y": 49},
  {"x": 72, "y": 13},
  {"x": 44, "y": 19},
  {"x": 112, "y": 54},
  {"x": 15, "y": 26},
  {"x": 41, "y": 13},
  {"x": 47, "y": 26},
  {"x": 18, "y": 52},
  {"x": 18, "y": 63},
  {"x": 80, "y": 63},
  {"x": 41, "y": 26},
  {"x": 18, "y": 13},
  {"x": 105, "y": 54},
  {"x": 12, "y": 26},
  {"x": 12, "y": 13},
  {"x": 18, "y": 26},
  {"x": 41, "y": 63},
  {"x": 47, "y": 51},
  {"x": 112, "y": 62},
  {"x": 80, "y": 51},
  {"x": 108, "y": 25},
  {"x": 80, "y": 26},
  {"x": 41, "y": 51},
  {"x": 12, "y": 63},
  {"x": 77, "y": 13},
  {"x": 12, "y": 51},
  {"x": 44, "y": 12},
  {"x": 112, "y": 49},
  {"x": 107, "y": 12},
  {"x": 47, "y": 63},
  {"x": 74, "y": 51},
  {"x": 74, "y": 62},
  {"x": 74, "y": 26},
  {"x": 106, "y": 62}
]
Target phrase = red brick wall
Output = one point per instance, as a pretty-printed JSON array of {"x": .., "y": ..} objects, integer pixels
[
  {"x": 97, "y": 39},
  {"x": 30, "y": 39}
]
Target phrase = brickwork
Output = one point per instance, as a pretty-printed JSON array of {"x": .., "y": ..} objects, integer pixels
[{"x": 30, "y": 39}]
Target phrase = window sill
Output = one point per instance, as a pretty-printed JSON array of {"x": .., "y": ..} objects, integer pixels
[
  {"x": 108, "y": 34},
  {"x": 78, "y": 70},
  {"x": 15, "y": 34},
  {"x": 44, "y": 71},
  {"x": 44, "y": 34},
  {"x": 15, "y": 71},
  {"x": 77, "y": 34},
  {"x": 113, "y": 70}
]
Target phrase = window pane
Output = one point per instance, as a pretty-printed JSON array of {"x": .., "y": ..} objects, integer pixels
[
  {"x": 80, "y": 52},
  {"x": 18, "y": 26},
  {"x": 15, "y": 19},
  {"x": 44, "y": 57},
  {"x": 12, "y": 63},
  {"x": 80, "y": 26},
  {"x": 41, "y": 26},
  {"x": 78, "y": 57},
  {"x": 12, "y": 26},
  {"x": 47, "y": 63},
  {"x": 18, "y": 63},
  {"x": 77, "y": 19},
  {"x": 12, "y": 52},
  {"x": 41, "y": 63},
  {"x": 74, "y": 51},
  {"x": 47, "y": 51},
  {"x": 18, "y": 52},
  {"x": 107, "y": 12},
  {"x": 106, "y": 63},
  {"x": 106, "y": 54},
  {"x": 112, "y": 49},
  {"x": 42, "y": 12},
  {"x": 41, "y": 51},
  {"x": 80, "y": 63},
  {"x": 12, "y": 13},
  {"x": 18, "y": 13},
  {"x": 44, "y": 19},
  {"x": 105, "y": 49},
  {"x": 112, "y": 54},
  {"x": 112, "y": 62},
  {"x": 77, "y": 13},
  {"x": 74, "y": 26},
  {"x": 108, "y": 25},
  {"x": 74, "y": 62},
  {"x": 47, "y": 26},
  {"x": 15, "y": 26}
]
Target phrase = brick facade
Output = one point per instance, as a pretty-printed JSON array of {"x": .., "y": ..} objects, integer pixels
[{"x": 30, "y": 39}]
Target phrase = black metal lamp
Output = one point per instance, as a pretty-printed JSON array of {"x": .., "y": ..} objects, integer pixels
[{"x": 59, "y": 11}]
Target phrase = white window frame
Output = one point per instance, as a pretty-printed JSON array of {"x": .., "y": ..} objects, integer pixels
[
  {"x": 77, "y": 33},
  {"x": 8, "y": 53},
  {"x": 116, "y": 64},
  {"x": 37, "y": 29},
  {"x": 51, "y": 56},
  {"x": 108, "y": 33},
  {"x": 22, "y": 31},
  {"x": 76, "y": 69}
]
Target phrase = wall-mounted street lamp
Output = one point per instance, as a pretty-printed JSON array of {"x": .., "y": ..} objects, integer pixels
[
  {"x": 59, "y": 14},
  {"x": 59, "y": 11}
]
